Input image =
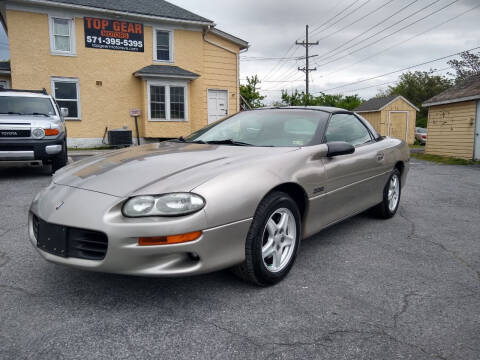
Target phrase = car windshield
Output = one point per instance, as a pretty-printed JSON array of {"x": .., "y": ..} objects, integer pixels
[
  {"x": 421, "y": 130},
  {"x": 24, "y": 105},
  {"x": 272, "y": 127}
]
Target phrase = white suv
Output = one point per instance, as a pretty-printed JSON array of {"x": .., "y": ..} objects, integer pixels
[{"x": 32, "y": 128}]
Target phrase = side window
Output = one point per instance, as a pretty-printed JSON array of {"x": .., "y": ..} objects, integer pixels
[
  {"x": 62, "y": 36},
  {"x": 67, "y": 95},
  {"x": 346, "y": 127},
  {"x": 163, "y": 49}
]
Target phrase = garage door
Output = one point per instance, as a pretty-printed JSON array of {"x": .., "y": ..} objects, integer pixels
[
  {"x": 217, "y": 105},
  {"x": 398, "y": 125}
]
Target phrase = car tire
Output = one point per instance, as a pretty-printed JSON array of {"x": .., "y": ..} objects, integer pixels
[
  {"x": 391, "y": 197},
  {"x": 276, "y": 228},
  {"x": 61, "y": 159}
]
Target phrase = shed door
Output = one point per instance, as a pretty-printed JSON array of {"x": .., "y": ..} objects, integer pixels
[
  {"x": 217, "y": 105},
  {"x": 398, "y": 125}
]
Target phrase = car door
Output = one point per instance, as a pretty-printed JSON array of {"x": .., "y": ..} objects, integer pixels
[{"x": 354, "y": 182}]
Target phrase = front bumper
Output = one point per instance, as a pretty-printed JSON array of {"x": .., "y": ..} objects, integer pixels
[
  {"x": 30, "y": 149},
  {"x": 218, "y": 248}
]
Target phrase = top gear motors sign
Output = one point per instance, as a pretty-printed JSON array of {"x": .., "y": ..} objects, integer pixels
[{"x": 113, "y": 35}]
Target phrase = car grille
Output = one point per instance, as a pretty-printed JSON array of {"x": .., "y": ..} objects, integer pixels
[
  {"x": 80, "y": 243},
  {"x": 14, "y": 133}
]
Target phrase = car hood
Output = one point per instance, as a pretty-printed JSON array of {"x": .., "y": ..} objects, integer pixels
[
  {"x": 32, "y": 120},
  {"x": 159, "y": 168}
]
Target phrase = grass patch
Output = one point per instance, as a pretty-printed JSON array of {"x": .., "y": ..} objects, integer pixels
[
  {"x": 444, "y": 159},
  {"x": 416, "y": 146}
]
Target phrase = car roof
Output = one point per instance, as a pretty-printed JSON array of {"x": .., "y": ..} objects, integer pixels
[
  {"x": 329, "y": 109},
  {"x": 23, "y": 94}
]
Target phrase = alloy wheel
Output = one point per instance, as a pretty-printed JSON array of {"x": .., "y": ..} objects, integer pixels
[{"x": 279, "y": 238}]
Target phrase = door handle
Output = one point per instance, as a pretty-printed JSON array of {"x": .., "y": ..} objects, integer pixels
[{"x": 380, "y": 156}]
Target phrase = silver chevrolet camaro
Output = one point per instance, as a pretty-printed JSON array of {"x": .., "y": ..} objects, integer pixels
[{"x": 239, "y": 193}]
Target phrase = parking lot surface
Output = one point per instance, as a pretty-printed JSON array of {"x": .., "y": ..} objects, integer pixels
[{"x": 405, "y": 288}]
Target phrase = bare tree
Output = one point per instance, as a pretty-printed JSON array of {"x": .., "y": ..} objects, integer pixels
[{"x": 468, "y": 65}]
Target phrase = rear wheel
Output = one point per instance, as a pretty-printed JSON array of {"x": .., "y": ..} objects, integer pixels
[
  {"x": 272, "y": 241},
  {"x": 391, "y": 197},
  {"x": 61, "y": 159}
]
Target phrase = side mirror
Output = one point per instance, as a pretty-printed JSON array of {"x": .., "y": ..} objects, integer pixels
[
  {"x": 336, "y": 148},
  {"x": 64, "y": 112}
]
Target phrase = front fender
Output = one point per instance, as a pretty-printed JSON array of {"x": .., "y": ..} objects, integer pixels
[{"x": 236, "y": 195}]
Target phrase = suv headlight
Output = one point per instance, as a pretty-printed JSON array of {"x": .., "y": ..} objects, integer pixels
[
  {"x": 174, "y": 204},
  {"x": 38, "y": 133}
]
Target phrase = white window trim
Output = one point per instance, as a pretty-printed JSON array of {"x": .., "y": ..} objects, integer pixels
[
  {"x": 171, "y": 47},
  {"x": 73, "y": 45},
  {"x": 68, "y": 80},
  {"x": 167, "y": 85}
]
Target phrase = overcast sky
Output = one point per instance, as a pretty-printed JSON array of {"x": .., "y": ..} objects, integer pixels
[{"x": 272, "y": 26}]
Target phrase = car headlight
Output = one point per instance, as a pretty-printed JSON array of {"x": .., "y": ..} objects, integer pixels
[
  {"x": 174, "y": 204},
  {"x": 38, "y": 133}
]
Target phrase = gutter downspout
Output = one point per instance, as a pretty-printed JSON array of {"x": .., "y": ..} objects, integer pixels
[{"x": 237, "y": 57}]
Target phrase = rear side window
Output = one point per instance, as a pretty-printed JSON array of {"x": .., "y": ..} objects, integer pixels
[{"x": 346, "y": 127}]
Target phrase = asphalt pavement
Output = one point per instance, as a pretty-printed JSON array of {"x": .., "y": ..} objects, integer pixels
[{"x": 405, "y": 288}]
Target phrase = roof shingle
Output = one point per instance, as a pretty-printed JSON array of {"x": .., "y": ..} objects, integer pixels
[
  {"x": 375, "y": 104},
  {"x": 166, "y": 71},
  {"x": 464, "y": 91},
  {"x": 158, "y": 8}
]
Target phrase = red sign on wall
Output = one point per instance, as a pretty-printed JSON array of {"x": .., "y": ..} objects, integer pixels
[{"x": 113, "y": 35}]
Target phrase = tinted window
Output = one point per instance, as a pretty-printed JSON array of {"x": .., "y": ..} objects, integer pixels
[
  {"x": 346, "y": 127},
  {"x": 25, "y": 105},
  {"x": 276, "y": 127}
]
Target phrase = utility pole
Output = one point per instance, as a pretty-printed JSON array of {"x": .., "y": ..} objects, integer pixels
[{"x": 306, "y": 69}]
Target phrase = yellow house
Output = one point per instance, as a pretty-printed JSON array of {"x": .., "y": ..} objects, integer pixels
[
  {"x": 454, "y": 121},
  {"x": 102, "y": 59},
  {"x": 392, "y": 116}
]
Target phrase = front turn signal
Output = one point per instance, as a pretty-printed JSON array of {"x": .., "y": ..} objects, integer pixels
[
  {"x": 51, "y": 132},
  {"x": 168, "y": 240}
]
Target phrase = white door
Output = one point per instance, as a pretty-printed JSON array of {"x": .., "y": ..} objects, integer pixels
[
  {"x": 217, "y": 105},
  {"x": 476, "y": 150}
]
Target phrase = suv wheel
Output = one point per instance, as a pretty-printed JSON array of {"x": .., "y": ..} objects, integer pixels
[{"x": 61, "y": 159}]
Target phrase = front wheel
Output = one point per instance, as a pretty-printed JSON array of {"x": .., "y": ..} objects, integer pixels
[
  {"x": 272, "y": 241},
  {"x": 391, "y": 197},
  {"x": 61, "y": 159}
]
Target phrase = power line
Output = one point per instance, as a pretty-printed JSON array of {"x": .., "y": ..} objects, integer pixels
[
  {"x": 396, "y": 71},
  {"x": 322, "y": 56},
  {"x": 274, "y": 81},
  {"x": 391, "y": 34},
  {"x": 343, "y": 17},
  {"x": 356, "y": 21},
  {"x": 340, "y": 12},
  {"x": 307, "y": 68},
  {"x": 403, "y": 41},
  {"x": 280, "y": 64},
  {"x": 391, "y": 82}
]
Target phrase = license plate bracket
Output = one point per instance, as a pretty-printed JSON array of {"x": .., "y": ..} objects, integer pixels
[{"x": 52, "y": 239}]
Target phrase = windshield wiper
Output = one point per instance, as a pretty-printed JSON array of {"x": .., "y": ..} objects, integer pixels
[
  {"x": 36, "y": 113},
  {"x": 182, "y": 140},
  {"x": 12, "y": 113},
  {"x": 228, "y": 142}
]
